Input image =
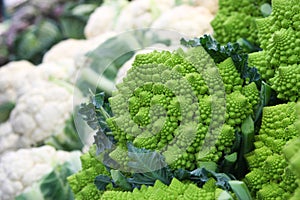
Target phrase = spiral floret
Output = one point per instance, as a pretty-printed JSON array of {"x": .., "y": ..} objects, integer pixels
[
  {"x": 267, "y": 162},
  {"x": 175, "y": 103},
  {"x": 176, "y": 190},
  {"x": 236, "y": 19},
  {"x": 287, "y": 82}
]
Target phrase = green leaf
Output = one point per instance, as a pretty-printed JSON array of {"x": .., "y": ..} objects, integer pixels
[
  {"x": 201, "y": 175},
  {"x": 247, "y": 135},
  {"x": 5, "y": 110},
  {"x": 120, "y": 180},
  {"x": 73, "y": 26},
  {"x": 102, "y": 181},
  {"x": 148, "y": 166},
  {"x": 54, "y": 185},
  {"x": 36, "y": 40},
  {"x": 240, "y": 189}
]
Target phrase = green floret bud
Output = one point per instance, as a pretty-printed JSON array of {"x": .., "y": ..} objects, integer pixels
[
  {"x": 287, "y": 82},
  {"x": 251, "y": 92},
  {"x": 258, "y": 60},
  {"x": 274, "y": 166},
  {"x": 120, "y": 156},
  {"x": 255, "y": 180},
  {"x": 270, "y": 191},
  {"x": 146, "y": 140},
  {"x": 230, "y": 76},
  {"x": 280, "y": 49},
  {"x": 256, "y": 158},
  {"x": 288, "y": 181},
  {"x": 82, "y": 182},
  {"x": 238, "y": 108},
  {"x": 278, "y": 122}
]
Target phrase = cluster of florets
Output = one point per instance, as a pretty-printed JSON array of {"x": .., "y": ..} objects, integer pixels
[
  {"x": 236, "y": 20},
  {"x": 279, "y": 62},
  {"x": 177, "y": 103},
  {"x": 270, "y": 176},
  {"x": 82, "y": 182},
  {"x": 176, "y": 190}
]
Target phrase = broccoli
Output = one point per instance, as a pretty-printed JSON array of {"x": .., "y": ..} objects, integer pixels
[
  {"x": 176, "y": 190},
  {"x": 270, "y": 176},
  {"x": 171, "y": 101},
  {"x": 279, "y": 61},
  {"x": 236, "y": 20}
]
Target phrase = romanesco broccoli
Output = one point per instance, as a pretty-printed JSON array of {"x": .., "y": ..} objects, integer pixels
[
  {"x": 82, "y": 182},
  {"x": 292, "y": 154},
  {"x": 279, "y": 61},
  {"x": 176, "y": 190},
  {"x": 270, "y": 176},
  {"x": 236, "y": 20},
  {"x": 167, "y": 102}
]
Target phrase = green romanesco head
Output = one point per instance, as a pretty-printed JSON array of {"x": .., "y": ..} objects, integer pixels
[
  {"x": 236, "y": 20},
  {"x": 159, "y": 191},
  {"x": 82, "y": 182},
  {"x": 279, "y": 61},
  {"x": 266, "y": 162},
  {"x": 174, "y": 101}
]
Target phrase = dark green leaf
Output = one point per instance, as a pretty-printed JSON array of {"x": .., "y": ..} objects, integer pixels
[
  {"x": 120, "y": 180},
  {"x": 220, "y": 53},
  {"x": 5, "y": 110},
  {"x": 148, "y": 166},
  {"x": 102, "y": 181}
]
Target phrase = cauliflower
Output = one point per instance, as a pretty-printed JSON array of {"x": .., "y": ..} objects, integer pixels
[
  {"x": 211, "y": 5},
  {"x": 141, "y": 14},
  {"x": 39, "y": 113},
  {"x": 19, "y": 170},
  {"x": 64, "y": 59},
  {"x": 13, "y": 80},
  {"x": 103, "y": 18},
  {"x": 196, "y": 23}
]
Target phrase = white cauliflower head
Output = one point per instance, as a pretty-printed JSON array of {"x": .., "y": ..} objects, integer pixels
[
  {"x": 142, "y": 13},
  {"x": 63, "y": 60},
  {"x": 39, "y": 113},
  {"x": 103, "y": 18},
  {"x": 13, "y": 80},
  {"x": 188, "y": 20},
  {"x": 211, "y": 5},
  {"x": 19, "y": 170}
]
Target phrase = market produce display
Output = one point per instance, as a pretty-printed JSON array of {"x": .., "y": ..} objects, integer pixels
[{"x": 148, "y": 99}]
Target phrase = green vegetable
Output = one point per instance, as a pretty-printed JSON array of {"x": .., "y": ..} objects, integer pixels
[
  {"x": 82, "y": 183},
  {"x": 54, "y": 185},
  {"x": 236, "y": 20},
  {"x": 279, "y": 61},
  {"x": 176, "y": 190},
  {"x": 292, "y": 154},
  {"x": 163, "y": 108},
  {"x": 270, "y": 175}
]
